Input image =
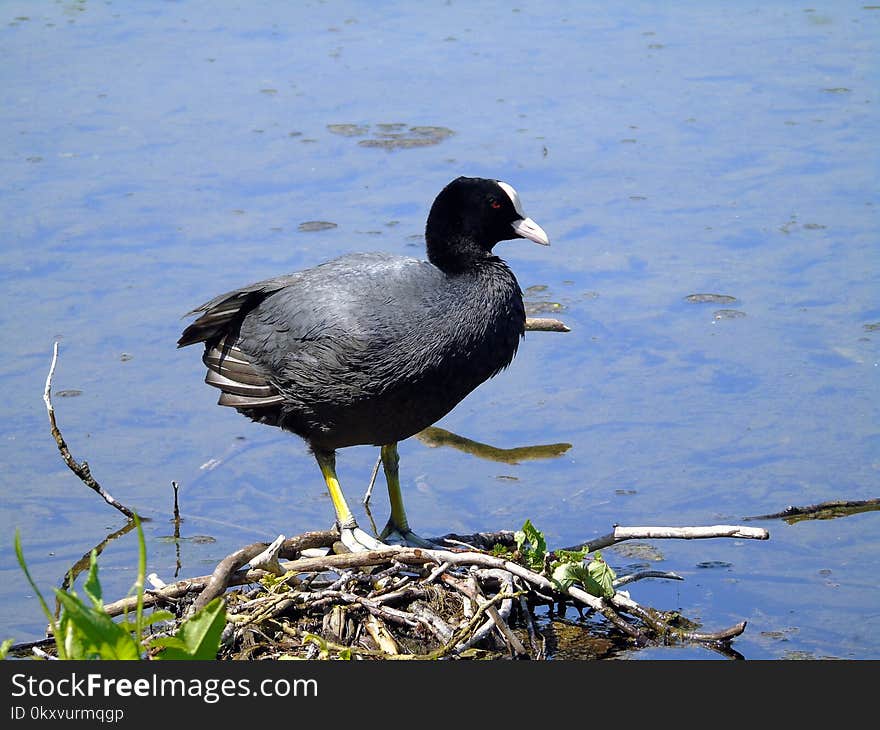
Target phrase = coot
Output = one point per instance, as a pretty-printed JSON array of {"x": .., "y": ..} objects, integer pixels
[{"x": 371, "y": 348}]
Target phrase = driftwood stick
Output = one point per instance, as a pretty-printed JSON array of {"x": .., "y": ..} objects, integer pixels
[
  {"x": 80, "y": 469},
  {"x": 627, "y": 605},
  {"x": 546, "y": 324},
  {"x": 381, "y": 636},
  {"x": 723, "y": 635},
  {"x": 823, "y": 510},
  {"x": 501, "y": 616},
  {"x": 223, "y": 574},
  {"x": 672, "y": 533},
  {"x": 220, "y": 579},
  {"x": 478, "y": 540},
  {"x": 461, "y": 635},
  {"x": 441, "y": 630},
  {"x": 642, "y": 574},
  {"x": 529, "y": 621},
  {"x": 690, "y": 533},
  {"x": 466, "y": 588}
]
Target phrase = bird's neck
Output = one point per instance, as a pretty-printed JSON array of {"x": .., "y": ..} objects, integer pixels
[{"x": 458, "y": 255}]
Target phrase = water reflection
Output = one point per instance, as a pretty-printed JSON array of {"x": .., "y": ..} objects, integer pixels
[{"x": 434, "y": 436}]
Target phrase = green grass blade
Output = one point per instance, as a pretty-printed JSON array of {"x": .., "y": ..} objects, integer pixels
[{"x": 54, "y": 626}]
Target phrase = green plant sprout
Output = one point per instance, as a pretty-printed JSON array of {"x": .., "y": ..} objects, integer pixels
[{"x": 84, "y": 629}]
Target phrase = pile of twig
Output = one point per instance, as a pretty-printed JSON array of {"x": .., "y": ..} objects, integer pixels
[{"x": 471, "y": 600}]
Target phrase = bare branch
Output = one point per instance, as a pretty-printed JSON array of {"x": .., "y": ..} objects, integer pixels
[
  {"x": 642, "y": 574},
  {"x": 823, "y": 510},
  {"x": 672, "y": 533},
  {"x": 80, "y": 469},
  {"x": 546, "y": 324}
]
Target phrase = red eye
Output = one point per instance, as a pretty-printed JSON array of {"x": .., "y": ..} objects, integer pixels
[{"x": 495, "y": 204}]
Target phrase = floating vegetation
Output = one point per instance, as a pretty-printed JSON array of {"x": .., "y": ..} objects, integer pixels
[
  {"x": 70, "y": 393},
  {"x": 309, "y": 226},
  {"x": 728, "y": 314},
  {"x": 639, "y": 551},
  {"x": 392, "y": 136},
  {"x": 710, "y": 298},
  {"x": 535, "y": 308},
  {"x": 871, "y": 327},
  {"x": 414, "y": 137},
  {"x": 543, "y": 305},
  {"x": 348, "y": 130}
]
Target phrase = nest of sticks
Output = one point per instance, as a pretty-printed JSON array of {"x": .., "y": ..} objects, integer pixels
[{"x": 470, "y": 600}]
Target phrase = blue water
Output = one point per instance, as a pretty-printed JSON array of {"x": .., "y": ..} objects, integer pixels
[{"x": 156, "y": 154}]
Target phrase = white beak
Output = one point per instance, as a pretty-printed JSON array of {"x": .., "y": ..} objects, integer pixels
[{"x": 527, "y": 228}]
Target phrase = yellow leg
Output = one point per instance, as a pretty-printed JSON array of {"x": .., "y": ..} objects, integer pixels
[
  {"x": 327, "y": 462},
  {"x": 398, "y": 523},
  {"x": 351, "y": 535},
  {"x": 390, "y": 461}
]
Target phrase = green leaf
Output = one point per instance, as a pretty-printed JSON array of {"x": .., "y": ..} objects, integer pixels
[
  {"x": 90, "y": 633},
  {"x": 597, "y": 578},
  {"x": 169, "y": 642},
  {"x": 5, "y": 647},
  {"x": 141, "y": 576},
  {"x": 531, "y": 544},
  {"x": 92, "y": 586},
  {"x": 72, "y": 640},
  {"x": 19, "y": 554},
  {"x": 571, "y": 556},
  {"x": 602, "y": 577},
  {"x": 154, "y": 618},
  {"x": 198, "y": 637},
  {"x": 565, "y": 575}
]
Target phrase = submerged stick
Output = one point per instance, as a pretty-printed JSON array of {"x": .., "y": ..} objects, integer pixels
[{"x": 823, "y": 510}]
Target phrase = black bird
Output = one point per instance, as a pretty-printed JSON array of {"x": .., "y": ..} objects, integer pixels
[{"x": 371, "y": 348}]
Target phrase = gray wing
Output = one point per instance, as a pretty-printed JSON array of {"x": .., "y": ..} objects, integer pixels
[{"x": 283, "y": 333}]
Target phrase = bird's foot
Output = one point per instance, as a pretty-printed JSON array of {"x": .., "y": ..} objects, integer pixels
[
  {"x": 358, "y": 541},
  {"x": 395, "y": 535}
]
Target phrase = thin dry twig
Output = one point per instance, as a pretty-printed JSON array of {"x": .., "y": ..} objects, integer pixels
[{"x": 81, "y": 469}]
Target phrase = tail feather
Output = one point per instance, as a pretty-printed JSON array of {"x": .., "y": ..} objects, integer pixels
[
  {"x": 241, "y": 401},
  {"x": 230, "y": 369}
]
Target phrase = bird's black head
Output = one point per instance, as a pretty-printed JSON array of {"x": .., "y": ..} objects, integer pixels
[{"x": 471, "y": 215}]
